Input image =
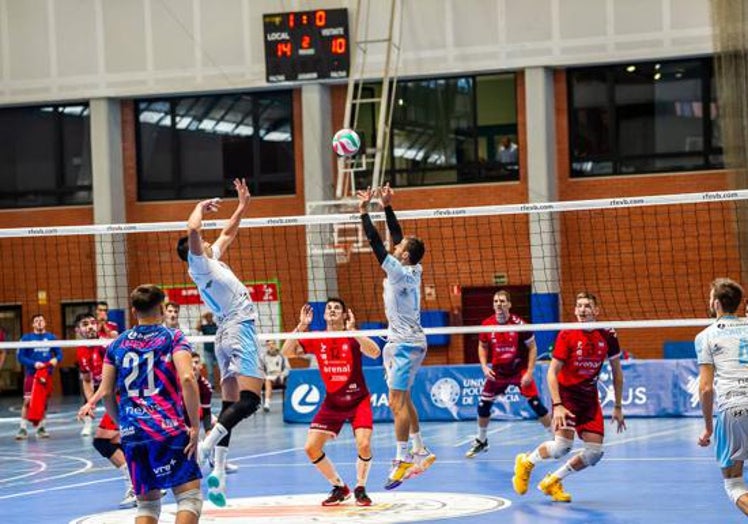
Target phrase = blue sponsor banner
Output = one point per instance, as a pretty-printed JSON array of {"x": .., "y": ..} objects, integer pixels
[{"x": 652, "y": 388}]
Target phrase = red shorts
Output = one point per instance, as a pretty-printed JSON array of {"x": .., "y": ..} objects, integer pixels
[
  {"x": 330, "y": 418},
  {"x": 493, "y": 388},
  {"x": 28, "y": 383},
  {"x": 588, "y": 414},
  {"x": 107, "y": 423}
]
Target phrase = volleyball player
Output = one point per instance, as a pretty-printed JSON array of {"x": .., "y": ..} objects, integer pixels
[
  {"x": 513, "y": 355},
  {"x": 347, "y": 397},
  {"x": 150, "y": 365},
  {"x": 406, "y": 344},
  {"x": 236, "y": 344},
  {"x": 578, "y": 357},
  {"x": 722, "y": 355}
]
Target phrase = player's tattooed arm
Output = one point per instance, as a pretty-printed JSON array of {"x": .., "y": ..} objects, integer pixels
[
  {"x": 396, "y": 232},
  {"x": 364, "y": 197}
]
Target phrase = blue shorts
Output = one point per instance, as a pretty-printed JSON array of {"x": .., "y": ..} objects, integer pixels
[
  {"x": 401, "y": 364},
  {"x": 237, "y": 349},
  {"x": 160, "y": 465},
  {"x": 731, "y": 436}
]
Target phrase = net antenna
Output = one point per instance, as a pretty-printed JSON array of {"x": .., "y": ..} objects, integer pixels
[{"x": 374, "y": 155}]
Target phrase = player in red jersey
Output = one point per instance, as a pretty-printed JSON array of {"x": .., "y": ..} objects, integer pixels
[
  {"x": 513, "y": 356},
  {"x": 106, "y": 438},
  {"x": 106, "y": 328},
  {"x": 578, "y": 356},
  {"x": 347, "y": 398}
]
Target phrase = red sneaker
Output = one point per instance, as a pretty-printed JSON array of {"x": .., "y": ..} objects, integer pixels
[
  {"x": 337, "y": 495},
  {"x": 362, "y": 499}
]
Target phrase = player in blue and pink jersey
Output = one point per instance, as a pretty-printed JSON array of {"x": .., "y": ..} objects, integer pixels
[
  {"x": 236, "y": 343},
  {"x": 151, "y": 367}
]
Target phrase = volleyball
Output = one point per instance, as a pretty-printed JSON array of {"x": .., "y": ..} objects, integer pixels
[{"x": 346, "y": 142}]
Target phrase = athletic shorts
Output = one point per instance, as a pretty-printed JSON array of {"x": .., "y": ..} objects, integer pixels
[
  {"x": 731, "y": 436},
  {"x": 107, "y": 423},
  {"x": 160, "y": 464},
  {"x": 588, "y": 414},
  {"x": 330, "y": 418},
  {"x": 494, "y": 388},
  {"x": 401, "y": 364},
  {"x": 237, "y": 349}
]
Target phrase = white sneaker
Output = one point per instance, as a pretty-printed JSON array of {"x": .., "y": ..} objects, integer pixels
[
  {"x": 130, "y": 501},
  {"x": 217, "y": 488},
  {"x": 266, "y": 407},
  {"x": 231, "y": 468}
]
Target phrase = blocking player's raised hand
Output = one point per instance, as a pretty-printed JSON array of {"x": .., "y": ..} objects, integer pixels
[
  {"x": 306, "y": 316},
  {"x": 364, "y": 197},
  {"x": 386, "y": 193},
  {"x": 210, "y": 206},
  {"x": 240, "y": 185},
  {"x": 350, "y": 321}
]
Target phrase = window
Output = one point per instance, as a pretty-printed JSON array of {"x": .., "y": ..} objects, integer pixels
[
  {"x": 194, "y": 147},
  {"x": 45, "y": 156},
  {"x": 447, "y": 131},
  {"x": 643, "y": 118}
]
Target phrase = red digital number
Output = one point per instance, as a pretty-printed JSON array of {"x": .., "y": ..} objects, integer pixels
[
  {"x": 283, "y": 49},
  {"x": 320, "y": 18},
  {"x": 306, "y": 42},
  {"x": 291, "y": 20},
  {"x": 338, "y": 45}
]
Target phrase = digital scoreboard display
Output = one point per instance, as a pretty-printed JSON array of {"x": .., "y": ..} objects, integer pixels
[{"x": 306, "y": 45}]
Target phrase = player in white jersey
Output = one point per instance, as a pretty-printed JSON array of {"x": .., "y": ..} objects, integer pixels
[
  {"x": 236, "y": 344},
  {"x": 406, "y": 345},
  {"x": 722, "y": 355}
]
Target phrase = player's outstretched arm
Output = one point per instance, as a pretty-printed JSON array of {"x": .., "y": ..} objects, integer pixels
[
  {"x": 106, "y": 389},
  {"x": 396, "y": 232},
  {"x": 364, "y": 197},
  {"x": 290, "y": 346},
  {"x": 195, "y": 223},
  {"x": 232, "y": 228}
]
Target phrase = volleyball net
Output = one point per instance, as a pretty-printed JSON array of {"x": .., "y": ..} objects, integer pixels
[{"x": 648, "y": 259}]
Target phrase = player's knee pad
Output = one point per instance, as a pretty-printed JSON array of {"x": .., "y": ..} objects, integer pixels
[
  {"x": 592, "y": 453},
  {"x": 105, "y": 447},
  {"x": 190, "y": 500},
  {"x": 246, "y": 406},
  {"x": 537, "y": 406},
  {"x": 484, "y": 408},
  {"x": 558, "y": 447},
  {"x": 149, "y": 508},
  {"x": 735, "y": 488}
]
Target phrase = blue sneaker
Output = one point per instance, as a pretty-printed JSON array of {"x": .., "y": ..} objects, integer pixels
[{"x": 399, "y": 472}]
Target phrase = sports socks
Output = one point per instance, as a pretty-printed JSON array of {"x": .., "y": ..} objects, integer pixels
[
  {"x": 417, "y": 441},
  {"x": 363, "y": 465}
]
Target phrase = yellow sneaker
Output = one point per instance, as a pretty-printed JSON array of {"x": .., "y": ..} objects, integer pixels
[
  {"x": 551, "y": 485},
  {"x": 522, "y": 470},
  {"x": 399, "y": 472}
]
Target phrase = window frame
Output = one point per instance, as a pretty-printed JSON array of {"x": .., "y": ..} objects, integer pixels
[
  {"x": 617, "y": 159},
  {"x": 176, "y": 183}
]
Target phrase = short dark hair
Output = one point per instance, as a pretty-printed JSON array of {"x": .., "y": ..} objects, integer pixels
[
  {"x": 172, "y": 304},
  {"x": 337, "y": 301},
  {"x": 415, "y": 249},
  {"x": 183, "y": 247},
  {"x": 37, "y": 316},
  {"x": 146, "y": 297},
  {"x": 102, "y": 303},
  {"x": 81, "y": 316},
  {"x": 729, "y": 294},
  {"x": 589, "y": 296}
]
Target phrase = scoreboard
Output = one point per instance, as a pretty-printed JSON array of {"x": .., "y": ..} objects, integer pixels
[{"x": 306, "y": 45}]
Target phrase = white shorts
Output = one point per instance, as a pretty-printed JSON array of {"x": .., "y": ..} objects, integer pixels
[
  {"x": 401, "y": 364},
  {"x": 731, "y": 436},
  {"x": 237, "y": 349}
]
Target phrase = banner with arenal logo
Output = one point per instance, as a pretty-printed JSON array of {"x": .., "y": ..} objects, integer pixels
[{"x": 652, "y": 388}]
